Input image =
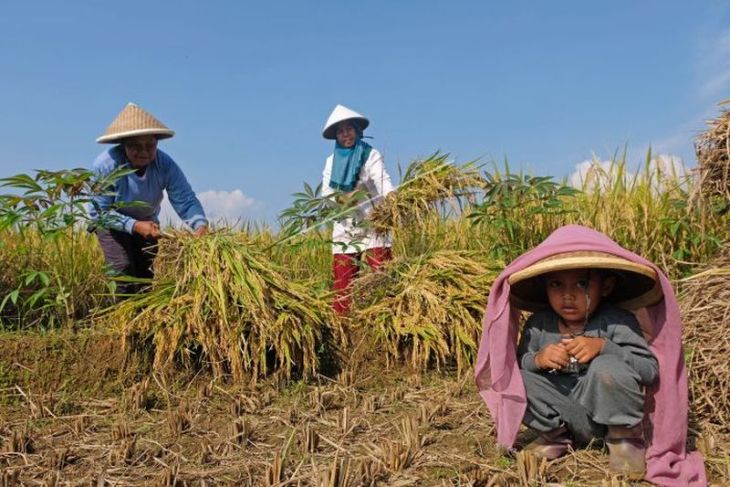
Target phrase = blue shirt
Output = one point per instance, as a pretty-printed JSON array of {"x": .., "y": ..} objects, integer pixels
[{"x": 163, "y": 174}]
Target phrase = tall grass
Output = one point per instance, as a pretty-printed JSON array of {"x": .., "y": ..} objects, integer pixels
[
  {"x": 651, "y": 212},
  {"x": 48, "y": 281},
  {"x": 256, "y": 299}
]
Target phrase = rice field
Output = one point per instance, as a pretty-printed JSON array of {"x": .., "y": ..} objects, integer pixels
[{"x": 232, "y": 369}]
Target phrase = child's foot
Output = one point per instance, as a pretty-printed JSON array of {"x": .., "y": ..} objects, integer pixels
[
  {"x": 552, "y": 444},
  {"x": 627, "y": 451}
]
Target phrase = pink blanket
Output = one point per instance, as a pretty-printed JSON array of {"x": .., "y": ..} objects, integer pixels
[{"x": 500, "y": 383}]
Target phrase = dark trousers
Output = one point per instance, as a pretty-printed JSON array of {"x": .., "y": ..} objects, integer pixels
[{"x": 127, "y": 255}]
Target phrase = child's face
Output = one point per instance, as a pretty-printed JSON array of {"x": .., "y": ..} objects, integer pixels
[{"x": 576, "y": 293}]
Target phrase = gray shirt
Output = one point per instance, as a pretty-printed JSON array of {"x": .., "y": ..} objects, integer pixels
[{"x": 618, "y": 326}]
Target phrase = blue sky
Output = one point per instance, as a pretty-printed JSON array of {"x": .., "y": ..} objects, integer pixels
[{"x": 247, "y": 86}]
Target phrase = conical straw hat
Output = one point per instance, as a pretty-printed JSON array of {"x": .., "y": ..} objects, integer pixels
[
  {"x": 339, "y": 114},
  {"x": 133, "y": 121},
  {"x": 637, "y": 284}
]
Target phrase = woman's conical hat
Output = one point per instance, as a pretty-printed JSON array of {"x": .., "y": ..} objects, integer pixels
[
  {"x": 133, "y": 121},
  {"x": 637, "y": 284},
  {"x": 339, "y": 114}
]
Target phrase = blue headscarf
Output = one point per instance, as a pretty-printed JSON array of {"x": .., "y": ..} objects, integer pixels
[{"x": 346, "y": 164}]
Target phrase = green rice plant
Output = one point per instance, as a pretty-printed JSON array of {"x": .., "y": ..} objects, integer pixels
[
  {"x": 651, "y": 212},
  {"x": 221, "y": 295},
  {"x": 307, "y": 257},
  {"x": 43, "y": 219},
  {"x": 427, "y": 308},
  {"x": 436, "y": 233},
  {"x": 48, "y": 281},
  {"x": 428, "y": 185}
]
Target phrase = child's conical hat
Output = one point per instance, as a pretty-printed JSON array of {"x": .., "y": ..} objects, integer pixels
[
  {"x": 340, "y": 114},
  {"x": 637, "y": 284},
  {"x": 133, "y": 121}
]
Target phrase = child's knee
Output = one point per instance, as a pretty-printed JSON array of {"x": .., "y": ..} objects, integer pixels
[{"x": 612, "y": 372}]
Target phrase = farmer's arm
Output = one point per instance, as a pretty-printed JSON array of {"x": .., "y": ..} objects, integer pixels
[
  {"x": 377, "y": 175},
  {"x": 181, "y": 195},
  {"x": 100, "y": 208}
]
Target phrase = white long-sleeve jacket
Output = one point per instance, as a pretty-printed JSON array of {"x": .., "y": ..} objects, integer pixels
[{"x": 347, "y": 237}]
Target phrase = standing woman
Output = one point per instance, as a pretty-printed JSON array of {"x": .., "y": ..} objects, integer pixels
[
  {"x": 128, "y": 235},
  {"x": 353, "y": 166}
]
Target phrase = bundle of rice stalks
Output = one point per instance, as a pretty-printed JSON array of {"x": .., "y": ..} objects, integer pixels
[
  {"x": 426, "y": 185},
  {"x": 713, "y": 155},
  {"x": 705, "y": 304},
  {"x": 427, "y": 309},
  {"x": 219, "y": 295}
]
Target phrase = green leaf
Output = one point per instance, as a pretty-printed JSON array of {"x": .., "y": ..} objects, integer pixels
[
  {"x": 36, "y": 296},
  {"x": 21, "y": 181},
  {"x": 44, "y": 278}
]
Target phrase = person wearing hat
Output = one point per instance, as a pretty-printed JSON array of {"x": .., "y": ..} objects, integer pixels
[
  {"x": 128, "y": 233},
  {"x": 582, "y": 368},
  {"x": 353, "y": 167},
  {"x": 584, "y": 360}
]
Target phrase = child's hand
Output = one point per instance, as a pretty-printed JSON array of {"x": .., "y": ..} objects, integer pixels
[
  {"x": 553, "y": 356},
  {"x": 583, "y": 348}
]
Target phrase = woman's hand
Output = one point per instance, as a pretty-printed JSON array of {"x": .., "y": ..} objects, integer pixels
[
  {"x": 553, "y": 356},
  {"x": 346, "y": 199},
  {"x": 200, "y": 231},
  {"x": 148, "y": 230},
  {"x": 583, "y": 348}
]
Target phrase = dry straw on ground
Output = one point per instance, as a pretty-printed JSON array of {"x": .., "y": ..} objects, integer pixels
[
  {"x": 220, "y": 295},
  {"x": 427, "y": 184},
  {"x": 705, "y": 303},
  {"x": 426, "y": 308},
  {"x": 713, "y": 155}
]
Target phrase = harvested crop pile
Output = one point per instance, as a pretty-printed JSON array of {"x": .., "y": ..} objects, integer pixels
[
  {"x": 713, "y": 155},
  {"x": 705, "y": 303},
  {"x": 426, "y": 309},
  {"x": 426, "y": 185},
  {"x": 219, "y": 294}
]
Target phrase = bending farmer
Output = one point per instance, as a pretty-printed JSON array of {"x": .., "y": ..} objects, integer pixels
[{"x": 128, "y": 235}]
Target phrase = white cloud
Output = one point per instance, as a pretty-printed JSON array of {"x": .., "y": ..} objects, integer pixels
[
  {"x": 670, "y": 165},
  {"x": 714, "y": 66},
  {"x": 221, "y": 207},
  {"x": 594, "y": 173}
]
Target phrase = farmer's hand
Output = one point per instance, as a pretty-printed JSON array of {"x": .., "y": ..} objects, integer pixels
[
  {"x": 147, "y": 230},
  {"x": 583, "y": 348},
  {"x": 200, "y": 231},
  {"x": 553, "y": 356},
  {"x": 345, "y": 199}
]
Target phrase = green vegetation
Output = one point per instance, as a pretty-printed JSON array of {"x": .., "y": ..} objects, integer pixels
[
  {"x": 205, "y": 389},
  {"x": 253, "y": 299}
]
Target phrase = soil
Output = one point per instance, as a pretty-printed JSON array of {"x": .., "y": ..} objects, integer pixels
[{"x": 77, "y": 410}]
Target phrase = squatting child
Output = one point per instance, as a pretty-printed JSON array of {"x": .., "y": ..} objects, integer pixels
[
  {"x": 584, "y": 361},
  {"x": 581, "y": 367}
]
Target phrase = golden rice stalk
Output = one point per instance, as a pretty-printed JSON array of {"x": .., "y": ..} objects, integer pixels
[
  {"x": 426, "y": 184},
  {"x": 219, "y": 294},
  {"x": 713, "y": 155},
  {"x": 426, "y": 308},
  {"x": 705, "y": 305}
]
